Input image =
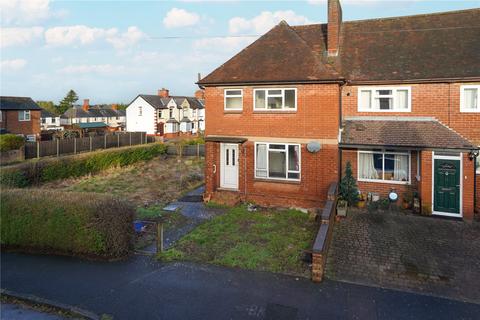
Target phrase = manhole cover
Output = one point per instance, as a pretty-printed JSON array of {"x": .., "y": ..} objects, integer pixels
[{"x": 280, "y": 312}]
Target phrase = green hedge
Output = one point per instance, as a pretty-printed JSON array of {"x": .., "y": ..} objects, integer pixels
[
  {"x": 45, "y": 170},
  {"x": 80, "y": 224},
  {"x": 11, "y": 142}
]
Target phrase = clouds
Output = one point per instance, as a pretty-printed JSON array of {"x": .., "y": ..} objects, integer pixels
[
  {"x": 265, "y": 21},
  {"x": 10, "y": 37},
  {"x": 103, "y": 69},
  {"x": 79, "y": 35},
  {"x": 13, "y": 65},
  {"x": 177, "y": 18},
  {"x": 21, "y": 12}
]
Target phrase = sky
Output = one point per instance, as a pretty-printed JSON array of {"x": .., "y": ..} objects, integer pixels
[{"x": 111, "y": 51}]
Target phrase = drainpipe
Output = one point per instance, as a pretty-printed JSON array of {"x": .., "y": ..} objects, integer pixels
[
  {"x": 475, "y": 183},
  {"x": 340, "y": 127},
  {"x": 245, "y": 171}
]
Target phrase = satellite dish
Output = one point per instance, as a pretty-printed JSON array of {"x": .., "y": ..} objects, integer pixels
[{"x": 314, "y": 146}]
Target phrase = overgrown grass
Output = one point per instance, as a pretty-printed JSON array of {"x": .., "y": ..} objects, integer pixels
[
  {"x": 44, "y": 170},
  {"x": 68, "y": 223},
  {"x": 268, "y": 240},
  {"x": 170, "y": 220}
]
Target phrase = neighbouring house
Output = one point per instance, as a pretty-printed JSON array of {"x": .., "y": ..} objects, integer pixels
[
  {"x": 396, "y": 97},
  {"x": 20, "y": 115},
  {"x": 165, "y": 115},
  {"x": 97, "y": 117},
  {"x": 49, "y": 121}
]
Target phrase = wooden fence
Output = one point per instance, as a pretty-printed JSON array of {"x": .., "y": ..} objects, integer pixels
[
  {"x": 188, "y": 150},
  {"x": 59, "y": 147}
]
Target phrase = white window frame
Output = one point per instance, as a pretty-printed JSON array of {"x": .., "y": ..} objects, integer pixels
[
  {"x": 31, "y": 138},
  {"x": 383, "y": 152},
  {"x": 373, "y": 95},
  {"x": 232, "y": 96},
  {"x": 25, "y": 113},
  {"x": 462, "y": 98},
  {"x": 1, "y": 115},
  {"x": 282, "y": 95},
  {"x": 279, "y": 150},
  {"x": 478, "y": 164}
]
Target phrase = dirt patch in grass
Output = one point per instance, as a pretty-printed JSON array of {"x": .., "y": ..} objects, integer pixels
[
  {"x": 267, "y": 240},
  {"x": 157, "y": 181}
]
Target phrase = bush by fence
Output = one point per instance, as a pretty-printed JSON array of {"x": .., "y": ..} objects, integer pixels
[
  {"x": 69, "y": 223},
  {"x": 59, "y": 147},
  {"x": 34, "y": 172},
  {"x": 11, "y": 142}
]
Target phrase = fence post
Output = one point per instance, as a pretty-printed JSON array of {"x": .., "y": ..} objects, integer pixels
[
  {"x": 90, "y": 143},
  {"x": 141, "y": 140},
  {"x": 74, "y": 145},
  {"x": 159, "y": 237},
  {"x": 58, "y": 147},
  {"x": 105, "y": 142},
  {"x": 198, "y": 150},
  {"x": 118, "y": 141},
  {"x": 38, "y": 149},
  {"x": 130, "y": 138}
]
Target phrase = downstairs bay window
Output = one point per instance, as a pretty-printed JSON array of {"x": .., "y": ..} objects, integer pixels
[
  {"x": 277, "y": 161},
  {"x": 384, "y": 166}
]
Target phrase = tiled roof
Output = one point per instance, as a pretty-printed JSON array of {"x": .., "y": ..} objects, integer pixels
[
  {"x": 18, "y": 103},
  {"x": 401, "y": 132},
  {"x": 155, "y": 101},
  {"x": 47, "y": 114},
  {"x": 104, "y": 111},
  {"x": 431, "y": 46},
  {"x": 161, "y": 103},
  {"x": 91, "y": 125}
]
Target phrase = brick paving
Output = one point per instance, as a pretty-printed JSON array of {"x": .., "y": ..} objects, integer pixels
[{"x": 407, "y": 252}]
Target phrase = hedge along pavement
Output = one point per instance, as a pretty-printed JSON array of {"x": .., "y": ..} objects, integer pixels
[
  {"x": 37, "y": 171},
  {"x": 67, "y": 223}
]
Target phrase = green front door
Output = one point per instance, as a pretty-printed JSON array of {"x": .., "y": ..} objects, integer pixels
[{"x": 447, "y": 186}]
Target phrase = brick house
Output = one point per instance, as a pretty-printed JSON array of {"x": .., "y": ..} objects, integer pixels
[
  {"x": 396, "y": 97},
  {"x": 20, "y": 115}
]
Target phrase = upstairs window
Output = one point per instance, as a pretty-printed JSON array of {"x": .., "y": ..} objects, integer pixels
[
  {"x": 233, "y": 99},
  {"x": 24, "y": 115},
  {"x": 469, "y": 97},
  {"x": 383, "y": 99},
  {"x": 275, "y": 99},
  {"x": 277, "y": 161}
]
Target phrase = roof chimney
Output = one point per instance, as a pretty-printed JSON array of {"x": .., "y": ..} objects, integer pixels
[
  {"x": 164, "y": 93},
  {"x": 114, "y": 106},
  {"x": 86, "y": 104},
  {"x": 200, "y": 94},
  {"x": 334, "y": 26}
]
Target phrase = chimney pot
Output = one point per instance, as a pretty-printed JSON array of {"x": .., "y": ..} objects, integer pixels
[
  {"x": 164, "y": 93},
  {"x": 86, "y": 104}
]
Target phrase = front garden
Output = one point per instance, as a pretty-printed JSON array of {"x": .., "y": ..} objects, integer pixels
[{"x": 272, "y": 240}]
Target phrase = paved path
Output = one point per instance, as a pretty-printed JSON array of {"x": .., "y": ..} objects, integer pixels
[
  {"x": 408, "y": 252},
  {"x": 142, "y": 289}
]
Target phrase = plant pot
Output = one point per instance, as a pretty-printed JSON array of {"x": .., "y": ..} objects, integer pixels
[
  {"x": 342, "y": 206},
  {"x": 405, "y": 205},
  {"x": 361, "y": 204}
]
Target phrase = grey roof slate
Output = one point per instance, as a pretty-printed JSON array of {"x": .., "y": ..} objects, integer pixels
[{"x": 18, "y": 103}]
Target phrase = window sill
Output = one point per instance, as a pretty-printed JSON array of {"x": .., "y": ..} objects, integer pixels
[
  {"x": 277, "y": 181},
  {"x": 232, "y": 111},
  {"x": 386, "y": 111},
  {"x": 274, "y": 111},
  {"x": 385, "y": 181},
  {"x": 470, "y": 110}
]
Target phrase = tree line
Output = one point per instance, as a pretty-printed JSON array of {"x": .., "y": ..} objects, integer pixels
[{"x": 66, "y": 103}]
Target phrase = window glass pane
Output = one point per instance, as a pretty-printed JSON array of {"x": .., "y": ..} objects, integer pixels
[
  {"x": 277, "y": 164},
  {"x": 402, "y": 99},
  {"x": 290, "y": 99},
  {"x": 262, "y": 156},
  {"x": 277, "y": 146},
  {"x": 226, "y": 156},
  {"x": 478, "y": 165},
  {"x": 384, "y": 92},
  {"x": 233, "y": 92},
  {"x": 233, "y": 103},
  {"x": 294, "y": 175},
  {"x": 401, "y": 168},
  {"x": 368, "y": 166},
  {"x": 378, "y": 163},
  {"x": 471, "y": 98},
  {"x": 260, "y": 99},
  {"x": 389, "y": 166},
  {"x": 274, "y": 102},
  {"x": 293, "y": 163},
  {"x": 384, "y": 103},
  {"x": 274, "y": 92},
  {"x": 365, "y": 99}
]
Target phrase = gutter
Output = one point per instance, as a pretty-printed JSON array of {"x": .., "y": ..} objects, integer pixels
[
  {"x": 269, "y": 82},
  {"x": 414, "y": 81},
  {"x": 386, "y": 146}
]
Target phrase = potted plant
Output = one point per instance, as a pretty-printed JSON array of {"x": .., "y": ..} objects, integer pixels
[
  {"x": 342, "y": 206},
  {"x": 407, "y": 199},
  {"x": 348, "y": 191},
  {"x": 362, "y": 199}
]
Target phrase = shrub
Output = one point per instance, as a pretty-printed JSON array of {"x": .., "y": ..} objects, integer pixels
[
  {"x": 348, "y": 186},
  {"x": 11, "y": 142},
  {"x": 75, "y": 166},
  {"x": 194, "y": 141},
  {"x": 81, "y": 224}
]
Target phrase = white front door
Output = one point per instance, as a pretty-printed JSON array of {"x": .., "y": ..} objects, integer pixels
[{"x": 229, "y": 166}]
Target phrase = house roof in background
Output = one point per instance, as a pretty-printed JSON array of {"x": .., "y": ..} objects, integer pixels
[
  {"x": 408, "y": 132},
  {"x": 91, "y": 125},
  {"x": 96, "y": 111},
  {"x": 161, "y": 103},
  {"x": 421, "y": 47},
  {"x": 18, "y": 103},
  {"x": 47, "y": 114},
  {"x": 155, "y": 101}
]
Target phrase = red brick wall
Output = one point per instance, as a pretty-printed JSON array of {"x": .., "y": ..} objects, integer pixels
[
  {"x": 439, "y": 100},
  {"x": 317, "y": 115},
  {"x": 10, "y": 122}
]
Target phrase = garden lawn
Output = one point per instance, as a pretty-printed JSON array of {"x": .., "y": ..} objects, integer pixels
[
  {"x": 151, "y": 183},
  {"x": 266, "y": 240}
]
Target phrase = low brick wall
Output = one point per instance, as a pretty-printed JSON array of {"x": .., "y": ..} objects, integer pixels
[
  {"x": 12, "y": 156},
  {"x": 324, "y": 235}
]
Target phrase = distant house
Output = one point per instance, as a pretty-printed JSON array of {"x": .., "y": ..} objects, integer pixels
[
  {"x": 166, "y": 115},
  {"x": 49, "y": 121},
  {"x": 20, "y": 115},
  {"x": 111, "y": 118}
]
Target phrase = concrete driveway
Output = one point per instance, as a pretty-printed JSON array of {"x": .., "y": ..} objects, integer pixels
[{"x": 408, "y": 252}]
